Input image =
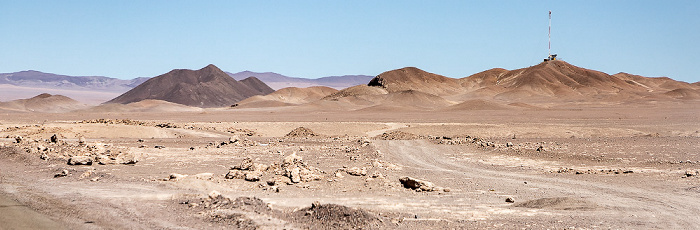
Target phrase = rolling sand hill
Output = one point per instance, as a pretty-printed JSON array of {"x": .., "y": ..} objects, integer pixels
[
  {"x": 288, "y": 96},
  {"x": 207, "y": 87},
  {"x": 45, "y": 103},
  {"x": 145, "y": 106}
]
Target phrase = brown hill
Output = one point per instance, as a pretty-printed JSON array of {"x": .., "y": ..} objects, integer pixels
[
  {"x": 482, "y": 79},
  {"x": 411, "y": 78},
  {"x": 207, "y": 87},
  {"x": 562, "y": 81},
  {"x": 654, "y": 83},
  {"x": 356, "y": 91},
  {"x": 288, "y": 96},
  {"x": 45, "y": 103},
  {"x": 145, "y": 106}
]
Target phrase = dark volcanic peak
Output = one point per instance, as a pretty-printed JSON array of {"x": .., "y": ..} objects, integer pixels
[
  {"x": 206, "y": 87},
  {"x": 257, "y": 85}
]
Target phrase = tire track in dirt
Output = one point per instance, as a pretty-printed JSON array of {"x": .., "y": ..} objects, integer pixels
[{"x": 664, "y": 209}]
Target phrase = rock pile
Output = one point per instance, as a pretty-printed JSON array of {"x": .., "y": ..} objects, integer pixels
[
  {"x": 301, "y": 132},
  {"x": 80, "y": 153},
  {"x": 398, "y": 135},
  {"x": 292, "y": 170}
]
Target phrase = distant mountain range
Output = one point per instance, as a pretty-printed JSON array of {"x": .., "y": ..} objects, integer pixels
[
  {"x": 98, "y": 89},
  {"x": 38, "y": 79},
  {"x": 277, "y": 81}
]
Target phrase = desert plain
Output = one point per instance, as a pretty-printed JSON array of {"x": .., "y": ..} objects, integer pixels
[{"x": 411, "y": 156}]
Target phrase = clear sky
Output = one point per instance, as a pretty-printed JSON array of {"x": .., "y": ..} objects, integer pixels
[{"x": 311, "y": 39}]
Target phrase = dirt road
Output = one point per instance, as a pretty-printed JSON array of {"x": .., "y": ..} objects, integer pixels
[{"x": 623, "y": 200}]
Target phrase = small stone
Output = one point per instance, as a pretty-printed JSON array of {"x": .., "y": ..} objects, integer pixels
[
  {"x": 176, "y": 176},
  {"x": 81, "y": 141},
  {"x": 690, "y": 173},
  {"x": 355, "y": 171},
  {"x": 271, "y": 182},
  {"x": 214, "y": 194},
  {"x": 61, "y": 174},
  {"x": 235, "y": 174},
  {"x": 204, "y": 176},
  {"x": 253, "y": 176},
  {"x": 80, "y": 160},
  {"x": 509, "y": 144},
  {"x": 295, "y": 175},
  {"x": 54, "y": 139},
  {"x": 510, "y": 200}
]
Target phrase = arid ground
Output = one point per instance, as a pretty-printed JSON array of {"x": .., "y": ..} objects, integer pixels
[{"x": 575, "y": 166}]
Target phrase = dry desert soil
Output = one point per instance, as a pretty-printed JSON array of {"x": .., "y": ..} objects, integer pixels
[{"x": 570, "y": 167}]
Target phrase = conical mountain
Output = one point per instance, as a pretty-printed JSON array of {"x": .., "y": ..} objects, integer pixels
[{"x": 206, "y": 87}]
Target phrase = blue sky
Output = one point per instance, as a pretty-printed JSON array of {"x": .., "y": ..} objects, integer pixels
[{"x": 311, "y": 39}]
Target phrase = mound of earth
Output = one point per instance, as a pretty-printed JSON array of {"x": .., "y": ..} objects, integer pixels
[
  {"x": 45, "y": 103},
  {"x": 411, "y": 78},
  {"x": 478, "y": 104},
  {"x": 558, "y": 203},
  {"x": 333, "y": 216},
  {"x": 301, "y": 132},
  {"x": 207, "y": 87}
]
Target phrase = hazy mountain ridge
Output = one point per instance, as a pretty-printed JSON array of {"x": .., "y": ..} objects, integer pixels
[
  {"x": 32, "y": 78},
  {"x": 279, "y": 81}
]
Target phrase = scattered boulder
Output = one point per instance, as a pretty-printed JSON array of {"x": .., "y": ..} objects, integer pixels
[
  {"x": 176, "y": 176},
  {"x": 691, "y": 173},
  {"x": 355, "y": 171},
  {"x": 80, "y": 160},
  {"x": 510, "y": 200},
  {"x": 233, "y": 139},
  {"x": 294, "y": 174},
  {"x": 63, "y": 173},
  {"x": 54, "y": 139},
  {"x": 235, "y": 174},
  {"x": 120, "y": 158},
  {"x": 253, "y": 176},
  {"x": 215, "y": 194},
  {"x": 18, "y": 139},
  {"x": 416, "y": 184}
]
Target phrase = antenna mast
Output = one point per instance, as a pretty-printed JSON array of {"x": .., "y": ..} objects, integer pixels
[{"x": 550, "y": 56}]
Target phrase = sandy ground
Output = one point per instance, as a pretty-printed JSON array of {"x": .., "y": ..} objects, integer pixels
[{"x": 576, "y": 167}]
